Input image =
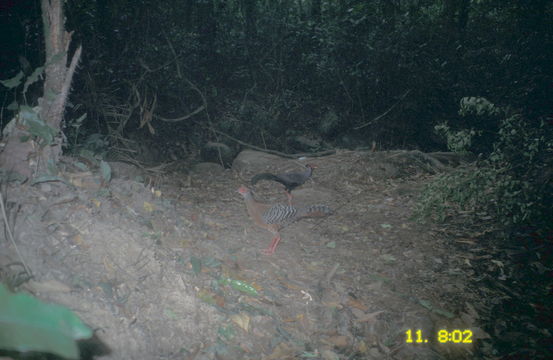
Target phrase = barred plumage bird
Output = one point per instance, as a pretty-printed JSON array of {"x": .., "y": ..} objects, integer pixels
[{"x": 275, "y": 217}]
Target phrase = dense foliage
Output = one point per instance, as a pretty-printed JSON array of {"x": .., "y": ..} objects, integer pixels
[
  {"x": 511, "y": 185},
  {"x": 269, "y": 70}
]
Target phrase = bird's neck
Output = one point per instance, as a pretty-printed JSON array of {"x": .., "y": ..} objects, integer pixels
[{"x": 255, "y": 209}]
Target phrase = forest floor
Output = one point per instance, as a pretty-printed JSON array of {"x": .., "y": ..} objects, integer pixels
[{"x": 173, "y": 270}]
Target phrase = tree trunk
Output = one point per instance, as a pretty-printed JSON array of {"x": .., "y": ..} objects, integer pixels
[{"x": 28, "y": 158}]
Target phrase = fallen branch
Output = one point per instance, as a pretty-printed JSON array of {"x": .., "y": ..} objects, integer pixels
[
  {"x": 274, "y": 152},
  {"x": 198, "y": 110},
  {"x": 10, "y": 236}
]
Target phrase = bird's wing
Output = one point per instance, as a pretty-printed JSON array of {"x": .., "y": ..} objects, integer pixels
[
  {"x": 293, "y": 178},
  {"x": 296, "y": 178},
  {"x": 279, "y": 214}
]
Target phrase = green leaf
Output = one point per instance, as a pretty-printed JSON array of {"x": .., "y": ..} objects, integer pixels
[
  {"x": 243, "y": 287},
  {"x": 444, "y": 313},
  {"x": 78, "y": 122},
  {"x": 30, "y": 325},
  {"x": 239, "y": 285},
  {"x": 47, "y": 178},
  {"x": 310, "y": 355},
  {"x": 226, "y": 332},
  {"x": 206, "y": 297},
  {"x": 14, "y": 81},
  {"x": 106, "y": 170},
  {"x": 196, "y": 264},
  {"x": 170, "y": 314},
  {"x": 331, "y": 245},
  {"x": 34, "y": 77},
  {"x": 388, "y": 258},
  {"x": 211, "y": 262},
  {"x": 427, "y": 304},
  {"x": 13, "y": 106},
  {"x": 36, "y": 126},
  {"x": 81, "y": 166}
]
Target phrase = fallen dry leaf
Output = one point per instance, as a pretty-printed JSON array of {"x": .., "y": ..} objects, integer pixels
[
  {"x": 148, "y": 207},
  {"x": 281, "y": 352},
  {"x": 363, "y": 317},
  {"x": 338, "y": 341},
  {"x": 78, "y": 240},
  {"x": 362, "y": 347},
  {"x": 48, "y": 286},
  {"x": 241, "y": 320},
  {"x": 356, "y": 304},
  {"x": 298, "y": 317}
]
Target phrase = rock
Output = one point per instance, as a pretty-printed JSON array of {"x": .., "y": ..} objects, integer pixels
[
  {"x": 250, "y": 162},
  {"x": 124, "y": 170},
  {"x": 215, "y": 152},
  {"x": 45, "y": 187}
]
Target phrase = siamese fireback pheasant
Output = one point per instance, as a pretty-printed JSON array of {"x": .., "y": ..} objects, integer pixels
[
  {"x": 275, "y": 217},
  {"x": 290, "y": 180}
]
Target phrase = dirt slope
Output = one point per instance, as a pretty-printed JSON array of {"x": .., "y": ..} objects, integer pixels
[{"x": 172, "y": 274}]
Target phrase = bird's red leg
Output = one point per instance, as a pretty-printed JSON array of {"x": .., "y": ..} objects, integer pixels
[
  {"x": 289, "y": 198},
  {"x": 271, "y": 249}
]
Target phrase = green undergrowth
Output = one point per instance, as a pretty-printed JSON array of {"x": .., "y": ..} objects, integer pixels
[{"x": 511, "y": 186}]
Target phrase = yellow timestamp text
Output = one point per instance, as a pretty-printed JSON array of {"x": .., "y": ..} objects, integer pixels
[{"x": 456, "y": 336}]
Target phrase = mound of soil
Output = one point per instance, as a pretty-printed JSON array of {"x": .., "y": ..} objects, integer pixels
[{"x": 167, "y": 265}]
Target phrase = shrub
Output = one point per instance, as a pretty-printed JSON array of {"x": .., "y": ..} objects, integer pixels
[{"x": 513, "y": 185}]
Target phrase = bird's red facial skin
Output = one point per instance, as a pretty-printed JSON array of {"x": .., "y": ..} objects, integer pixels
[{"x": 242, "y": 190}]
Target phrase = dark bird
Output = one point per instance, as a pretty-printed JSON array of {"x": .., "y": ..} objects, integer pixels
[
  {"x": 290, "y": 180},
  {"x": 275, "y": 217}
]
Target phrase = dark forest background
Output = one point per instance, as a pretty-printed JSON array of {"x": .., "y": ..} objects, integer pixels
[{"x": 343, "y": 73}]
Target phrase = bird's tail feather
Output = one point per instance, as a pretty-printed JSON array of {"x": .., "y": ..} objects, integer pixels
[
  {"x": 315, "y": 211},
  {"x": 265, "y": 176}
]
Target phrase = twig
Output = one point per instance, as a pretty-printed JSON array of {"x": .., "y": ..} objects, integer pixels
[
  {"x": 10, "y": 235},
  {"x": 331, "y": 273},
  {"x": 198, "y": 110},
  {"x": 179, "y": 74},
  {"x": 385, "y": 113}
]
